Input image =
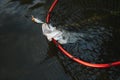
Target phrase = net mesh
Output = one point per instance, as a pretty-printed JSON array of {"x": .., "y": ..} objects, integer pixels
[
  {"x": 97, "y": 22},
  {"x": 69, "y": 13}
]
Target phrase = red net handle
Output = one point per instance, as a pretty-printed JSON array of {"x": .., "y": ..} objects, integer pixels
[
  {"x": 50, "y": 10},
  {"x": 106, "y": 65}
]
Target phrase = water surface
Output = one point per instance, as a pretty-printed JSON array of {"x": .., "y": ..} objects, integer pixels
[{"x": 23, "y": 48}]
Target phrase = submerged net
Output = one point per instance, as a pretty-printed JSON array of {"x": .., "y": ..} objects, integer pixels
[
  {"x": 69, "y": 13},
  {"x": 95, "y": 26}
]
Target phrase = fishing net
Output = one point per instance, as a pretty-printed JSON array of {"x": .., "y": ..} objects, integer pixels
[
  {"x": 95, "y": 25},
  {"x": 78, "y": 13}
]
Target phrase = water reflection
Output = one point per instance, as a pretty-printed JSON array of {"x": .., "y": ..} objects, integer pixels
[{"x": 22, "y": 44}]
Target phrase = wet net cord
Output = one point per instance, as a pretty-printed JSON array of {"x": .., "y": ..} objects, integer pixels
[{"x": 106, "y": 65}]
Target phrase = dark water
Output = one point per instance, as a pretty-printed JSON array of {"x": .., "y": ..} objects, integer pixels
[
  {"x": 22, "y": 45},
  {"x": 23, "y": 48}
]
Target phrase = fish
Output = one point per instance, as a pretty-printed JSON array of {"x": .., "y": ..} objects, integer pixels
[{"x": 51, "y": 32}]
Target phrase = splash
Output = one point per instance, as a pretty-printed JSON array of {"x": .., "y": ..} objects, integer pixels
[{"x": 62, "y": 36}]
